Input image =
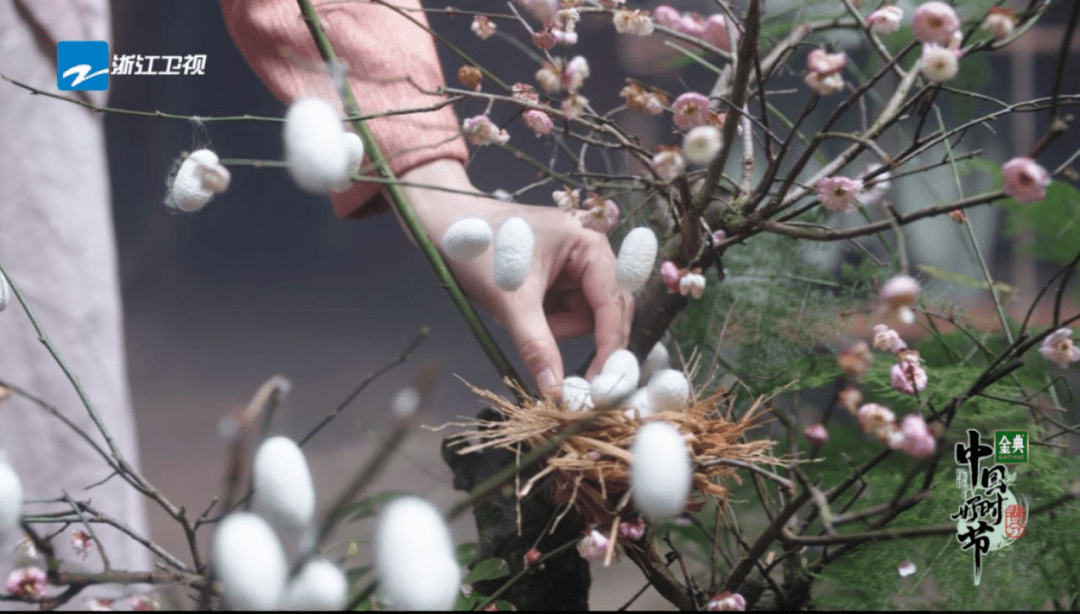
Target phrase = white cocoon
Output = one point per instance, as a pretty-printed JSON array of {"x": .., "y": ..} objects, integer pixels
[
  {"x": 669, "y": 391},
  {"x": 315, "y": 147},
  {"x": 513, "y": 253},
  {"x": 575, "y": 393},
  {"x": 11, "y": 498},
  {"x": 319, "y": 586},
  {"x": 5, "y": 292},
  {"x": 414, "y": 556},
  {"x": 637, "y": 254},
  {"x": 284, "y": 494},
  {"x": 639, "y": 401},
  {"x": 354, "y": 148},
  {"x": 617, "y": 380},
  {"x": 196, "y": 181},
  {"x": 661, "y": 471},
  {"x": 467, "y": 239},
  {"x": 657, "y": 360},
  {"x": 250, "y": 563}
]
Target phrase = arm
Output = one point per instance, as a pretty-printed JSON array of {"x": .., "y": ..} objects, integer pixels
[{"x": 571, "y": 290}]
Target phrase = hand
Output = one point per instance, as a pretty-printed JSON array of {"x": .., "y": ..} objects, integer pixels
[{"x": 571, "y": 289}]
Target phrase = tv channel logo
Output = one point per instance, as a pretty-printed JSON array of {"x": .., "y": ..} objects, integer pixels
[{"x": 82, "y": 65}]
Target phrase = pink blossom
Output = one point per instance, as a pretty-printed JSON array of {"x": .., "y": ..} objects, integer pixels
[
  {"x": 1058, "y": 348},
  {"x": 716, "y": 32},
  {"x": 142, "y": 603},
  {"x": 483, "y": 27},
  {"x": 544, "y": 39},
  {"x": 691, "y": 25},
  {"x": 480, "y": 131},
  {"x": 593, "y": 547},
  {"x": 1025, "y": 180},
  {"x": 816, "y": 434},
  {"x": 899, "y": 294},
  {"x": 28, "y": 583},
  {"x": 917, "y": 441},
  {"x": 1000, "y": 21},
  {"x": 666, "y": 16},
  {"x": 824, "y": 85},
  {"x": 850, "y": 398},
  {"x": 525, "y": 93},
  {"x": 839, "y": 194},
  {"x": 887, "y": 339},
  {"x": 543, "y": 10},
  {"x": 692, "y": 284},
  {"x": 550, "y": 75},
  {"x": 825, "y": 63},
  {"x": 856, "y": 360},
  {"x": 668, "y": 162},
  {"x": 637, "y": 23},
  {"x": 562, "y": 37},
  {"x": 577, "y": 70},
  {"x": 600, "y": 215},
  {"x": 885, "y": 20},
  {"x": 671, "y": 275},
  {"x": 633, "y": 529},
  {"x": 81, "y": 542},
  {"x": 872, "y": 417},
  {"x": 538, "y": 121},
  {"x": 574, "y": 106},
  {"x": 532, "y": 557},
  {"x": 935, "y": 22},
  {"x": 938, "y": 63},
  {"x": 690, "y": 109},
  {"x": 718, "y": 236},
  {"x": 726, "y": 602},
  {"x": 907, "y": 374},
  {"x": 567, "y": 199}
]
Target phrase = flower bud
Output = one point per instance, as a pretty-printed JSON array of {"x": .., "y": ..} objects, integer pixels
[
  {"x": 539, "y": 122},
  {"x": 483, "y": 27},
  {"x": 470, "y": 76},
  {"x": 466, "y": 239},
  {"x": 513, "y": 254},
  {"x": 593, "y": 547},
  {"x": 661, "y": 472},
  {"x": 315, "y": 149},
  {"x": 637, "y": 254},
  {"x": 250, "y": 562},
  {"x": 414, "y": 556},
  {"x": 320, "y": 586},
  {"x": 817, "y": 435}
]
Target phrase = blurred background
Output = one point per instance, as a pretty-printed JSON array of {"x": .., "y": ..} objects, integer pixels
[{"x": 267, "y": 281}]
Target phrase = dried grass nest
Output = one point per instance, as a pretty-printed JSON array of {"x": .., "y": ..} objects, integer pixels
[{"x": 591, "y": 469}]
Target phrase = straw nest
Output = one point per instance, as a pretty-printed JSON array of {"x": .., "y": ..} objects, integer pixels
[{"x": 591, "y": 468}]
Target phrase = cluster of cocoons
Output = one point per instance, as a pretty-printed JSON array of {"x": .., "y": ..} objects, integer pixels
[
  {"x": 513, "y": 254},
  {"x": 252, "y": 550},
  {"x": 199, "y": 177},
  {"x": 414, "y": 556},
  {"x": 317, "y": 151},
  {"x": 467, "y": 239},
  {"x": 11, "y": 498},
  {"x": 640, "y": 390},
  {"x": 637, "y": 255},
  {"x": 661, "y": 473}
]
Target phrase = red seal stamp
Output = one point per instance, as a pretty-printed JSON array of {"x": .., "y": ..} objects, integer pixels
[{"x": 1015, "y": 521}]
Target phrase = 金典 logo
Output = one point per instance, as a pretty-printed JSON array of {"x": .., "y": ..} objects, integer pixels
[{"x": 82, "y": 65}]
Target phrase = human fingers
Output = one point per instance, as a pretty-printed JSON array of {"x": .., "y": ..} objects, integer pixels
[{"x": 528, "y": 327}]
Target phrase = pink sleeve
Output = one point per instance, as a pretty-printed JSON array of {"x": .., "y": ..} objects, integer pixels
[{"x": 382, "y": 52}]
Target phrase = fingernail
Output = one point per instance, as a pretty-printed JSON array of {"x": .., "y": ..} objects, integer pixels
[{"x": 546, "y": 381}]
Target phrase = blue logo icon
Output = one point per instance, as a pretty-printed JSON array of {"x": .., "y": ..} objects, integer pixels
[{"x": 82, "y": 65}]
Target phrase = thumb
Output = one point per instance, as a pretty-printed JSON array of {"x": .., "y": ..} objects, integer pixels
[{"x": 528, "y": 327}]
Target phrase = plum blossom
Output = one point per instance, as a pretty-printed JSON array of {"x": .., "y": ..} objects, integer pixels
[
  {"x": 701, "y": 144},
  {"x": 906, "y": 569},
  {"x": 550, "y": 76},
  {"x": 544, "y": 39},
  {"x": 907, "y": 374},
  {"x": 899, "y": 294},
  {"x": 958, "y": 216},
  {"x": 483, "y": 27},
  {"x": 600, "y": 214},
  {"x": 28, "y": 583},
  {"x": 574, "y": 106},
  {"x": 633, "y": 529},
  {"x": 642, "y": 100},
  {"x": 470, "y": 76},
  {"x": 525, "y": 93},
  {"x": 917, "y": 440},
  {"x": 935, "y": 22},
  {"x": 874, "y": 418},
  {"x": 690, "y": 109},
  {"x": 825, "y": 85},
  {"x": 726, "y": 602},
  {"x": 666, "y": 16},
  {"x": 887, "y": 339},
  {"x": 1058, "y": 348},
  {"x": 716, "y": 32},
  {"x": 81, "y": 542},
  {"x": 567, "y": 199},
  {"x": 638, "y": 23},
  {"x": 532, "y": 557},
  {"x": 856, "y": 360},
  {"x": 1025, "y": 180},
  {"x": 885, "y": 20},
  {"x": 1000, "y": 21},
  {"x": 850, "y": 398},
  {"x": 668, "y": 162},
  {"x": 816, "y": 434},
  {"x": 538, "y": 121},
  {"x": 577, "y": 70},
  {"x": 938, "y": 63},
  {"x": 671, "y": 275},
  {"x": 692, "y": 284},
  {"x": 480, "y": 131},
  {"x": 593, "y": 546},
  {"x": 839, "y": 194},
  {"x": 825, "y": 63}
]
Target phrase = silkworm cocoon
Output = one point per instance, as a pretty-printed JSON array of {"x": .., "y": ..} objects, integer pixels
[
  {"x": 283, "y": 492},
  {"x": 669, "y": 391},
  {"x": 657, "y": 360},
  {"x": 575, "y": 394},
  {"x": 199, "y": 177},
  {"x": 250, "y": 562},
  {"x": 622, "y": 361},
  {"x": 414, "y": 556},
  {"x": 661, "y": 471},
  {"x": 319, "y": 586},
  {"x": 405, "y": 402},
  {"x": 639, "y": 402},
  {"x": 637, "y": 254},
  {"x": 513, "y": 253},
  {"x": 11, "y": 498},
  {"x": 5, "y": 292},
  {"x": 466, "y": 239},
  {"x": 354, "y": 148},
  {"x": 610, "y": 388},
  {"x": 315, "y": 149}
]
